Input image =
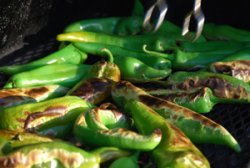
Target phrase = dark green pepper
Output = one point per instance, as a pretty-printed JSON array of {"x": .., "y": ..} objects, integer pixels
[
  {"x": 243, "y": 54},
  {"x": 53, "y": 117},
  {"x": 5, "y": 146},
  {"x": 17, "y": 96},
  {"x": 223, "y": 86},
  {"x": 197, "y": 127},
  {"x": 239, "y": 69},
  {"x": 58, "y": 154},
  {"x": 175, "y": 149},
  {"x": 106, "y": 126},
  {"x": 126, "y": 161},
  {"x": 68, "y": 54},
  {"x": 225, "y": 32}
]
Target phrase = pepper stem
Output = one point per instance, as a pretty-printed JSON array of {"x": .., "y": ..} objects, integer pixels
[
  {"x": 155, "y": 53},
  {"x": 108, "y": 54}
]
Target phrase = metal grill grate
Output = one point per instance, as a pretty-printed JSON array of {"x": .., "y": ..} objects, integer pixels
[{"x": 235, "y": 118}]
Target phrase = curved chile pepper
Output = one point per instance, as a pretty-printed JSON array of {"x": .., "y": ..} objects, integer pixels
[
  {"x": 20, "y": 139},
  {"x": 200, "y": 100},
  {"x": 61, "y": 74},
  {"x": 223, "y": 86},
  {"x": 175, "y": 149},
  {"x": 17, "y": 96},
  {"x": 53, "y": 117},
  {"x": 60, "y": 154},
  {"x": 225, "y": 32},
  {"x": 197, "y": 127},
  {"x": 108, "y": 127},
  {"x": 68, "y": 54}
]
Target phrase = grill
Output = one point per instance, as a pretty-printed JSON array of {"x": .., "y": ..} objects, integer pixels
[{"x": 235, "y": 118}]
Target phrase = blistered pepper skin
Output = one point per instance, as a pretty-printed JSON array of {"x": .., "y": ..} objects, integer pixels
[
  {"x": 175, "y": 149},
  {"x": 197, "y": 127},
  {"x": 52, "y": 117},
  {"x": 60, "y": 154}
]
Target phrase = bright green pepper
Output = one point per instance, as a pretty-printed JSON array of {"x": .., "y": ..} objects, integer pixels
[
  {"x": 105, "y": 126},
  {"x": 17, "y": 96},
  {"x": 225, "y": 32},
  {"x": 175, "y": 149},
  {"x": 126, "y": 161},
  {"x": 136, "y": 42},
  {"x": 68, "y": 54},
  {"x": 53, "y": 117},
  {"x": 58, "y": 154},
  {"x": 243, "y": 54},
  {"x": 156, "y": 62},
  {"x": 20, "y": 139},
  {"x": 60, "y": 74},
  {"x": 223, "y": 86},
  {"x": 197, "y": 127}
]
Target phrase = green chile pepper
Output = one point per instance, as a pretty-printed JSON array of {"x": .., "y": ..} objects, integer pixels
[
  {"x": 175, "y": 149},
  {"x": 17, "y": 96},
  {"x": 226, "y": 47},
  {"x": 102, "y": 126},
  {"x": 223, "y": 86},
  {"x": 136, "y": 42},
  {"x": 58, "y": 154},
  {"x": 53, "y": 117},
  {"x": 93, "y": 90},
  {"x": 197, "y": 127},
  {"x": 126, "y": 161},
  {"x": 61, "y": 74},
  {"x": 243, "y": 54},
  {"x": 239, "y": 69},
  {"x": 157, "y": 62},
  {"x": 20, "y": 139},
  {"x": 68, "y": 54},
  {"x": 225, "y": 32},
  {"x": 200, "y": 100},
  {"x": 5, "y": 146}
]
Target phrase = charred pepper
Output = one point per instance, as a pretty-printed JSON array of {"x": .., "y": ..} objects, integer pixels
[
  {"x": 197, "y": 127},
  {"x": 106, "y": 126},
  {"x": 175, "y": 149}
]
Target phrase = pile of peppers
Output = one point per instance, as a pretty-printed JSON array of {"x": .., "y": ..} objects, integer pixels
[{"x": 143, "y": 95}]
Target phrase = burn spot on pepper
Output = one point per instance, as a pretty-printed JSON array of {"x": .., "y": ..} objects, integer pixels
[
  {"x": 49, "y": 112},
  {"x": 37, "y": 91}
]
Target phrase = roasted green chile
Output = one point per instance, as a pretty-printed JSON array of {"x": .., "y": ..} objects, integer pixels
[
  {"x": 126, "y": 161},
  {"x": 239, "y": 69},
  {"x": 200, "y": 100},
  {"x": 53, "y": 117},
  {"x": 175, "y": 149},
  {"x": 106, "y": 126},
  {"x": 223, "y": 86},
  {"x": 17, "y": 96},
  {"x": 197, "y": 127},
  {"x": 20, "y": 139},
  {"x": 68, "y": 54},
  {"x": 59, "y": 154}
]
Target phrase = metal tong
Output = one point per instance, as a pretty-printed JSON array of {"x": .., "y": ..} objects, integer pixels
[{"x": 163, "y": 7}]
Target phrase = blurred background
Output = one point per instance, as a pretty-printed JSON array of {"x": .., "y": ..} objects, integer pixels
[{"x": 25, "y": 22}]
